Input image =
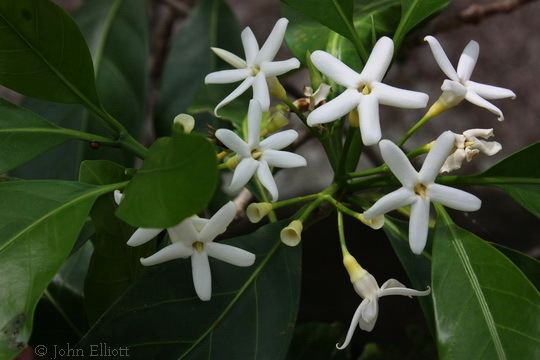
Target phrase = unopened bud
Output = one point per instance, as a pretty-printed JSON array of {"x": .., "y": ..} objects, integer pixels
[
  {"x": 276, "y": 122},
  {"x": 256, "y": 211},
  {"x": 354, "y": 118},
  {"x": 232, "y": 162},
  {"x": 292, "y": 234},
  {"x": 276, "y": 89},
  {"x": 183, "y": 123}
]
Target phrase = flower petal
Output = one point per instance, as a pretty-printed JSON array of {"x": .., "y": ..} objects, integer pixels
[
  {"x": 243, "y": 173},
  {"x": 273, "y": 42},
  {"x": 232, "y": 141},
  {"x": 370, "y": 312},
  {"x": 184, "y": 232},
  {"x": 398, "y": 163},
  {"x": 276, "y": 68},
  {"x": 240, "y": 89},
  {"x": 230, "y": 254},
  {"x": 355, "y": 320},
  {"x": 467, "y": 60},
  {"x": 405, "y": 99},
  {"x": 198, "y": 223},
  {"x": 169, "y": 252},
  {"x": 490, "y": 92},
  {"x": 260, "y": 91},
  {"x": 418, "y": 224},
  {"x": 227, "y": 76},
  {"x": 404, "y": 291},
  {"x": 454, "y": 161},
  {"x": 481, "y": 133},
  {"x": 202, "y": 278},
  {"x": 118, "y": 196},
  {"x": 335, "y": 69},
  {"x": 454, "y": 87},
  {"x": 229, "y": 58},
  {"x": 436, "y": 157},
  {"x": 279, "y": 140},
  {"x": 254, "y": 123},
  {"x": 283, "y": 159},
  {"x": 335, "y": 108},
  {"x": 218, "y": 223},
  {"x": 394, "y": 200},
  {"x": 453, "y": 198},
  {"x": 267, "y": 180},
  {"x": 370, "y": 127},
  {"x": 476, "y": 99},
  {"x": 392, "y": 283},
  {"x": 379, "y": 60},
  {"x": 251, "y": 47},
  {"x": 441, "y": 58},
  {"x": 142, "y": 236},
  {"x": 489, "y": 148}
]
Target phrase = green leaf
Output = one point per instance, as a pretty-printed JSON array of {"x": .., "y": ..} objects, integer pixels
[
  {"x": 485, "y": 308},
  {"x": 414, "y": 12},
  {"x": 528, "y": 265},
  {"x": 251, "y": 314},
  {"x": 44, "y": 54},
  {"x": 34, "y": 242},
  {"x": 191, "y": 58},
  {"x": 177, "y": 180},
  {"x": 313, "y": 341},
  {"x": 114, "y": 266},
  {"x": 522, "y": 164}
]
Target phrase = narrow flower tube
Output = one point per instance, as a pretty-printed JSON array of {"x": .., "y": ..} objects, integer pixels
[
  {"x": 257, "y": 211},
  {"x": 292, "y": 234}
]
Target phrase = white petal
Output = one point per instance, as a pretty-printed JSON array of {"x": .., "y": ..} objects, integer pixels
[
  {"x": 142, "y": 236},
  {"x": 243, "y": 173},
  {"x": 184, "y": 232},
  {"x": 370, "y": 312},
  {"x": 260, "y": 91},
  {"x": 454, "y": 87},
  {"x": 230, "y": 254},
  {"x": 405, "y": 99},
  {"x": 418, "y": 225},
  {"x": 490, "y": 92},
  {"x": 229, "y": 58},
  {"x": 476, "y": 99},
  {"x": 398, "y": 163},
  {"x": 335, "y": 108},
  {"x": 202, "y": 278},
  {"x": 355, "y": 320},
  {"x": 394, "y": 200},
  {"x": 218, "y": 223},
  {"x": 279, "y": 140},
  {"x": 273, "y": 42},
  {"x": 254, "y": 123},
  {"x": 489, "y": 148},
  {"x": 118, "y": 196},
  {"x": 370, "y": 127},
  {"x": 198, "y": 223},
  {"x": 436, "y": 157},
  {"x": 240, "y": 89},
  {"x": 467, "y": 61},
  {"x": 232, "y": 141},
  {"x": 453, "y": 198},
  {"x": 267, "y": 180},
  {"x": 454, "y": 161},
  {"x": 227, "y": 76},
  {"x": 276, "y": 68},
  {"x": 379, "y": 60},
  {"x": 404, "y": 292},
  {"x": 283, "y": 159},
  {"x": 169, "y": 252},
  {"x": 251, "y": 47},
  {"x": 482, "y": 133},
  {"x": 335, "y": 69},
  {"x": 441, "y": 58},
  {"x": 392, "y": 283}
]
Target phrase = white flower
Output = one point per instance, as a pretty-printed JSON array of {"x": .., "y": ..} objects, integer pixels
[
  {"x": 459, "y": 87},
  {"x": 258, "y": 66},
  {"x": 467, "y": 146},
  {"x": 193, "y": 238},
  {"x": 365, "y": 91},
  {"x": 258, "y": 156},
  {"x": 419, "y": 188},
  {"x": 366, "y": 286}
]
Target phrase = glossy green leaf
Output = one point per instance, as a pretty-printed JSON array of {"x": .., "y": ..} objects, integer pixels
[
  {"x": 44, "y": 54},
  {"x": 528, "y": 265},
  {"x": 210, "y": 24},
  {"x": 177, "y": 180},
  {"x": 251, "y": 314},
  {"x": 414, "y": 12},
  {"x": 524, "y": 165},
  {"x": 39, "y": 223},
  {"x": 485, "y": 308}
]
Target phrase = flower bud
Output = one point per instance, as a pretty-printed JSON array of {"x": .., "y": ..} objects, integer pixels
[
  {"x": 232, "y": 162},
  {"x": 276, "y": 122},
  {"x": 292, "y": 234},
  {"x": 183, "y": 123},
  {"x": 256, "y": 211},
  {"x": 276, "y": 89}
]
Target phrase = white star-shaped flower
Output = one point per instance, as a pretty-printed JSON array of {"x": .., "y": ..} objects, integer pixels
[
  {"x": 366, "y": 286},
  {"x": 459, "y": 86},
  {"x": 256, "y": 157},
  {"x": 194, "y": 238},
  {"x": 365, "y": 91},
  {"x": 258, "y": 66},
  {"x": 468, "y": 145},
  {"x": 419, "y": 189}
]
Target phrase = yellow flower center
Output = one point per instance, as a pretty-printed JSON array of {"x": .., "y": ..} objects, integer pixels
[
  {"x": 255, "y": 70},
  {"x": 364, "y": 89},
  {"x": 420, "y": 190},
  {"x": 198, "y": 246},
  {"x": 256, "y": 154}
]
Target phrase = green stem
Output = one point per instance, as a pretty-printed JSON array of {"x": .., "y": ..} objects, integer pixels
[
  {"x": 294, "y": 200},
  {"x": 340, "y": 207},
  {"x": 414, "y": 129},
  {"x": 62, "y": 313},
  {"x": 357, "y": 42},
  {"x": 351, "y": 132},
  {"x": 271, "y": 215},
  {"x": 341, "y": 231}
]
